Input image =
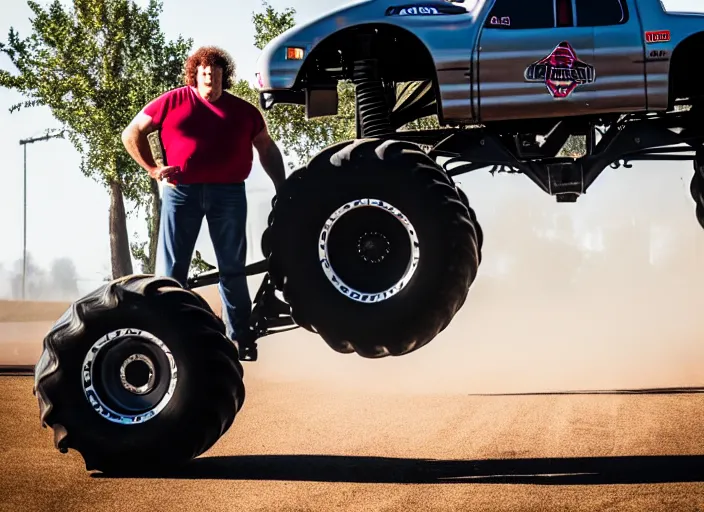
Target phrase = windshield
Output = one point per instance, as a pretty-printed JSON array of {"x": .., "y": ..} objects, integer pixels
[
  {"x": 683, "y": 5},
  {"x": 467, "y": 4}
]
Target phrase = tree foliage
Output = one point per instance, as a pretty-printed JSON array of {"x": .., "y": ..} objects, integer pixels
[
  {"x": 95, "y": 65},
  {"x": 574, "y": 147}
]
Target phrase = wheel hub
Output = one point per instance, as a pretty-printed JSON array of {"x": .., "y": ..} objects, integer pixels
[
  {"x": 129, "y": 376},
  {"x": 368, "y": 250},
  {"x": 137, "y": 374},
  {"x": 373, "y": 247}
]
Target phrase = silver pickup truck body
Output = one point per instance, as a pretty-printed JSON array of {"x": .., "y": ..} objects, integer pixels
[{"x": 495, "y": 60}]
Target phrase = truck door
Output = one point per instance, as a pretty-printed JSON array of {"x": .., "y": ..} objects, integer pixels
[
  {"x": 618, "y": 55},
  {"x": 533, "y": 62}
]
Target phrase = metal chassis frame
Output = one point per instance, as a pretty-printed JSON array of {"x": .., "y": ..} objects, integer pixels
[
  {"x": 632, "y": 137},
  {"x": 635, "y": 137},
  {"x": 270, "y": 314}
]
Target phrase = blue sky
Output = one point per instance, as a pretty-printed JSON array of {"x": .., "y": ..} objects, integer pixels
[{"x": 75, "y": 226}]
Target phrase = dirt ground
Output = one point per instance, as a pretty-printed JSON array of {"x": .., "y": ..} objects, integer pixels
[
  {"x": 323, "y": 446},
  {"x": 460, "y": 424}
]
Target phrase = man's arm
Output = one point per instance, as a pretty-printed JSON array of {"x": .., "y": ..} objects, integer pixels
[
  {"x": 134, "y": 137},
  {"x": 270, "y": 157},
  {"x": 135, "y": 140}
]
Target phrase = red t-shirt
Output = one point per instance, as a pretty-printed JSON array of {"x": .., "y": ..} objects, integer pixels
[{"x": 210, "y": 142}]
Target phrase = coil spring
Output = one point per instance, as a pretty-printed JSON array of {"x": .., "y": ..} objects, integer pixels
[{"x": 373, "y": 110}]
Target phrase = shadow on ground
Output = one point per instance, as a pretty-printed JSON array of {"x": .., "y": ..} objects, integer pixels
[{"x": 559, "y": 471}]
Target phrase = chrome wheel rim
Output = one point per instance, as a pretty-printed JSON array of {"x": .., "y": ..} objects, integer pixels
[{"x": 373, "y": 247}]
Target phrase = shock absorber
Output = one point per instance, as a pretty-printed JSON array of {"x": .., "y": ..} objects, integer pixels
[{"x": 372, "y": 107}]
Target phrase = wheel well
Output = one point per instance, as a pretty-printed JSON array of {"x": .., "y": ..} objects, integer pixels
[
  {"x": 402, "y": 57},
  {"x": 683, "y": 83}
]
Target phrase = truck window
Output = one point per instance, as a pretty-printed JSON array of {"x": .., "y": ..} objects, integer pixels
[
  {"x": 520, "y": 14},
  {"x": 682, "y": 6},
  {"x": 598, "y": 13},
  {"x": 564, "y": 13}
]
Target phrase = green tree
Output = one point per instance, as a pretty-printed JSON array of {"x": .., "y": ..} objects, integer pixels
[{"x": 94, "y": 66}]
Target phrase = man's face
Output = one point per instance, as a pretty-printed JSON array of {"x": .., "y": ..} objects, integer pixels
[{"x": 209, "y": 81}]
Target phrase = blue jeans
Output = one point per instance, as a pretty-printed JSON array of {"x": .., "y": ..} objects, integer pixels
[{"x": 225, "y": 208}]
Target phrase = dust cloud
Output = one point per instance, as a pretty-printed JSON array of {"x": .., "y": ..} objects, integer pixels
[
  {"x": 600, "y": 294},
  {"x": 57, "y": 282}
]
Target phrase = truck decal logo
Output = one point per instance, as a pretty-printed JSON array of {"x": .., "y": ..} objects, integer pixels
[
  {"x": 561, "y": 71},
  {"x": 657, "y": 36},
  {"x": 423, "y": 9},
  {"x": 504, "y": 21},
  {"x": 413, "y": 10}
]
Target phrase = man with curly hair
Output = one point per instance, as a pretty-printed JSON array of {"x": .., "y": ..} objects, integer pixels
[{"x": 207, "y": 136}]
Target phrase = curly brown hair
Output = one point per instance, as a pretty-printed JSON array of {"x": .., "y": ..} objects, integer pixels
[{"x": 210, "y": 56}]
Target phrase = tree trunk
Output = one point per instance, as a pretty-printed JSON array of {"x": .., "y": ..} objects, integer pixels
[
  {"x": 119, "y": 240},
  {"x": 154, "y": 224}
]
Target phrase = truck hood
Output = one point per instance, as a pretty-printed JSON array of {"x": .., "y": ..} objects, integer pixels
[
  {"x": 308, "y": 34},
  {"x": 298, "y": 33},
  {"x": 275, "y": 71}
]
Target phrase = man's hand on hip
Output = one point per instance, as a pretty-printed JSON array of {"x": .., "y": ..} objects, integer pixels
[{"x": 165, "y": 172}]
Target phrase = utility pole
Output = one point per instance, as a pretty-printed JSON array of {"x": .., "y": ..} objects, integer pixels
[{"x": 24, "y": 143}]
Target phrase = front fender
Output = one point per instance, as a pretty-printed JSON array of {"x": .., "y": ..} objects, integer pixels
[
  {"x": 450, "y": 31},
  {"x": 274, "y": 71}
]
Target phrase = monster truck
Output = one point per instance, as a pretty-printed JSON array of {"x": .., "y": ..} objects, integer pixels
[{"x": 371, "y": 244}]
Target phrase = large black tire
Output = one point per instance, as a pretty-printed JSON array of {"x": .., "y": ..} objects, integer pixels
[
  {"x": 75, "y": 372},
  {"x": 477, "y": 224},
  {"x": 696, "y": 186},
  {"x": 401, "y": 176}
]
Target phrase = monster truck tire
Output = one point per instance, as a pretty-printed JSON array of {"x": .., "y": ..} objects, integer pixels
[
  {"x": 696, "y": 188},
  {"x": 336, "y": 244},
  {"x": 138, "y": 376},
  {"x": 477, "y": 225}
]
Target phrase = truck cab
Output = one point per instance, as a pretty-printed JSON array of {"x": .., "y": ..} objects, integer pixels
[
  {"x": 583, "y": 57},
  {"x": 559, "y": 57}
]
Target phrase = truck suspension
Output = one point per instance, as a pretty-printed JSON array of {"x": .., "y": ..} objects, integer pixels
[{"x": 373, "y": 116}]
